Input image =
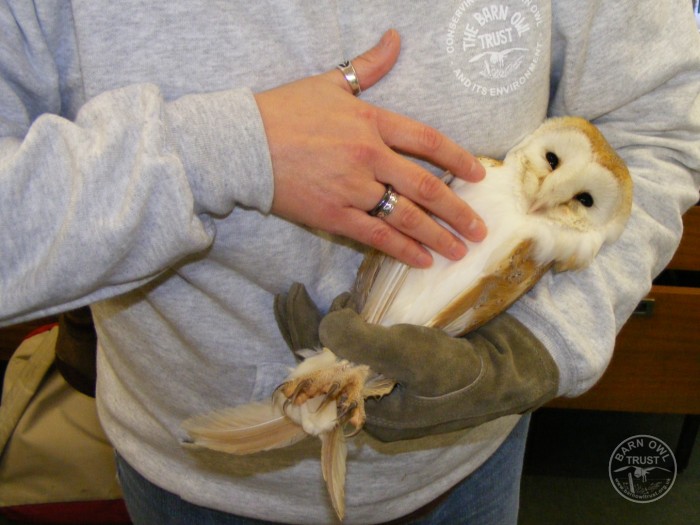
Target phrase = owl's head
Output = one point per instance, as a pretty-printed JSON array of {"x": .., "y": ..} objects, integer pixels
[{"x": 572, "y": 177}]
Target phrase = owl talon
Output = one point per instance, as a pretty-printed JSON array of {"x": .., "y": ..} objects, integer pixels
[
  {"x": 296, "y": 393},
  {"x": 330, "y": 396},
  {"x": 346, "y": 409},
  {"x": 299, "y": 391},
  {"x": 354, "y": 432}
]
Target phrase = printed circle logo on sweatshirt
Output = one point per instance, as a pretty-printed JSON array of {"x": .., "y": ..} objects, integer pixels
[{"x": 495, "y": 48}]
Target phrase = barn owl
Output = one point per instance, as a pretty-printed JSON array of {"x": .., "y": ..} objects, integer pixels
[{"x": 554, "y": 201}]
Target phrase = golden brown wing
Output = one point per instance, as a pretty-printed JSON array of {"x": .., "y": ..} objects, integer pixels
[{"x": 502, "y": 285}]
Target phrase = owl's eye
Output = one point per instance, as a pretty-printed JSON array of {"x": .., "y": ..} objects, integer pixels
[
  {"x": 585, "y": 198},
  {"x": 552, "y": 159}
]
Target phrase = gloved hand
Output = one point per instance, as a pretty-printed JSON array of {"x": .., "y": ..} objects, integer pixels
[{"x": 444, "y": 383}]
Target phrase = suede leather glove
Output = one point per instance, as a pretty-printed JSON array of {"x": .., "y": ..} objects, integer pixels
[
  {"x": 444, "y": 383},
  {"x": 298, "y": 318}
]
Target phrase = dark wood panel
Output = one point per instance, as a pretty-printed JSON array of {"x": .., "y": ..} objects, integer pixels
[
  {"x": 688, "y": 255},
  {"x": 656, "y": 363}
]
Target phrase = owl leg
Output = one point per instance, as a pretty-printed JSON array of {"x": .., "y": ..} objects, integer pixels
[{"x": 340, "y": 382}]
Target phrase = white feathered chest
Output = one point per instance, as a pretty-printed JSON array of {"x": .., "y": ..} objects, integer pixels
[{"x": 420, "y": 296}]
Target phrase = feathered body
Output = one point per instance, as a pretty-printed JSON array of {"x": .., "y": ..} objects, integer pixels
[{"x": 554, "y": 201}]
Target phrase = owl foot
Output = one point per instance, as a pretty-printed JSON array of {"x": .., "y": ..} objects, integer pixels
[{"x": 339, "y": 382}]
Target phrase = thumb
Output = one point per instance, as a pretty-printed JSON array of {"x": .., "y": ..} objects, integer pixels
[
  {"x": 348, "y": 336},
  {"x": 372, "y": 65}
]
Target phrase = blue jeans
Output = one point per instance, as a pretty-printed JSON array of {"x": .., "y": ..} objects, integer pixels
[{"x": 489, "y": 496}]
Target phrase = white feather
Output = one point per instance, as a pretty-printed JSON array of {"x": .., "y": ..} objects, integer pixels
[
  {"x": 244, "y": 429},
  {"x": 333, "y": 455},
  {"x": 314, "y": 418}
]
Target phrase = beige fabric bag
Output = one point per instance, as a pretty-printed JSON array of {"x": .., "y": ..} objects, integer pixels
[{"x": 55, "y": 458}]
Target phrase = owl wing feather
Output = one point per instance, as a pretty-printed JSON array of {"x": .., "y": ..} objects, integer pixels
[
  {"x": 502, "y": 284},
  {"x": 366, "y": 275},
  {"x": 378, "y": 281},
  {"x": 333, "y": 455},
  {"x": 244, "y": 429}
]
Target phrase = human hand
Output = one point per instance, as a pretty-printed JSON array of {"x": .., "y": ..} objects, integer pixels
[{"x": 332, "y": 155}]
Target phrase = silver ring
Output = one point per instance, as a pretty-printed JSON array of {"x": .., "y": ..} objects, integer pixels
[
  {"x": 350, "y": 75},
  {"x": 386, "y": 205}
]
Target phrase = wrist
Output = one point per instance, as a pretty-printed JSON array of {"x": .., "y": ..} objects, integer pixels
[{"x": 222, "y": 144}]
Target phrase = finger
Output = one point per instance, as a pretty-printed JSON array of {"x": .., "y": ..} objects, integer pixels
[
  {"x": 412, "y": 221},
  {"x": 372, "y": 65},
  {"x": 425, "y": 189},
  {"x": 409, "y": 136},
  {"x": 378, "y": 234}
]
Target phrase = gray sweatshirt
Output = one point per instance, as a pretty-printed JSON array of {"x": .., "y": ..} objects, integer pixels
[{"x": 135, "y": 177}]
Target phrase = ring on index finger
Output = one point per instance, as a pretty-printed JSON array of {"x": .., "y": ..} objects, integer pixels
[
  {"x": 386, "y": 205},
  {"x": 348, "y": 71}
]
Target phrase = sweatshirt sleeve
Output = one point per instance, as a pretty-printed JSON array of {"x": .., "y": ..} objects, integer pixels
[
  {"x": 633, "y": 68},
  {"x": 100, "y": 202}
]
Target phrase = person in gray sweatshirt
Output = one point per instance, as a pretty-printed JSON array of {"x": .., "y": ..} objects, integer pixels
[{"x": 177, "y": 164}]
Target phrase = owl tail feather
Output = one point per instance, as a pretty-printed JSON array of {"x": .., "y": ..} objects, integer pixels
[
  {"x": 333, "y": 455},
  {"x": 244, "y": 429}
]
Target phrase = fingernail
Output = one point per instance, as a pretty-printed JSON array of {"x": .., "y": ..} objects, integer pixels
[
  {"x": 386, "y": 38},
  {"x": 457, "y": 251},
  {"x": 477, "y": 229},
  {"x": 477, "y": 171},
  {"x": 423, "y": 260}
]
